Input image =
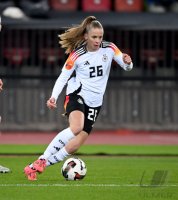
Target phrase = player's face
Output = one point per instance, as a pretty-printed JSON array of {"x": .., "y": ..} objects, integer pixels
[{"x": 94, "y": 38}]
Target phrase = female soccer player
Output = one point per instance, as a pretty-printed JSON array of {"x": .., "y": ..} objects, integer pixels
[
  {"x": 2, "y": 169},
  {"x": 86, "y": 73}
]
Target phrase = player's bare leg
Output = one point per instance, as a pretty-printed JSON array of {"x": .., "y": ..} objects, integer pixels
[
  {"x": 76, "y": 120},
  {"x": 73, "y": 145}
]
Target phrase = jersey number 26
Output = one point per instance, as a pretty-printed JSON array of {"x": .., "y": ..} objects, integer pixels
[{"x": 96, "y": 71}]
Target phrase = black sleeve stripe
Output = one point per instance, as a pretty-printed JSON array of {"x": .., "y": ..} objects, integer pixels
[{"x": 105, "y": 44}]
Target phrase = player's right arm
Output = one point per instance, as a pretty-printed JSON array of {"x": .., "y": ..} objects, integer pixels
[{"x": 67, "y": 71}]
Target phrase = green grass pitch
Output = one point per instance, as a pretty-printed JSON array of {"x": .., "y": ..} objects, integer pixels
[{"x": 108, "y": 177}]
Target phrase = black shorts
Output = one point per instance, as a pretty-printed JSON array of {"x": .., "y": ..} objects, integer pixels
[{"x": 75, "y": 102}]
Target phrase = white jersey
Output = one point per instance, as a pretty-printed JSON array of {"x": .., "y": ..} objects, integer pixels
[{"x": 91, "y": 72}]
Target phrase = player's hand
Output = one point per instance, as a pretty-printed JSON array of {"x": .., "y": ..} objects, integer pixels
[
  {"x": 1, "y": 85},
  {"x": 51, "y": 103},
  {"x": 127, "y": 59}
]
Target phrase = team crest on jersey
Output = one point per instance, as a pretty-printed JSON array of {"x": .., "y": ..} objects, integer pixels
[
  {"x": 80, "y": 101},
  {"x": 105, "y": 58}
]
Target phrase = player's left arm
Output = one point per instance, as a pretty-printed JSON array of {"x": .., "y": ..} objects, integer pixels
[
  {"x": 123, "y": 59},
  {"x": 127, "y": 61}
]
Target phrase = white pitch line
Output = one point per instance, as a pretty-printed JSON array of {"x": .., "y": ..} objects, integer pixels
[{"x": 82, "y": 185}]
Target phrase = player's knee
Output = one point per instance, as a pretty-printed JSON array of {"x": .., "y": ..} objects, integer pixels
[{"x": 76, "y": 129}]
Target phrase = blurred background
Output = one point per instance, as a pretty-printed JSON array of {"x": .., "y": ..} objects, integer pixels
[{"x": 31, "y": 59}]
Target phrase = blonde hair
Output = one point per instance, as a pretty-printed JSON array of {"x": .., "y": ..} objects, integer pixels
[{"x": 74, "y": 36}]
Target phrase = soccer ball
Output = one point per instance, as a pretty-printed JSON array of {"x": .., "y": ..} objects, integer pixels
[{"x": 74, "y": 169}]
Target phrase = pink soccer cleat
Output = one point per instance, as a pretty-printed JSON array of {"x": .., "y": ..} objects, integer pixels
[
  {"x": 30, "y": 173},
  {"x": 39, "y": 165}
]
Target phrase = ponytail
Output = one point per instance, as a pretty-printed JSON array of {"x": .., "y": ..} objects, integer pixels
[{"x": 74, "y": 36}]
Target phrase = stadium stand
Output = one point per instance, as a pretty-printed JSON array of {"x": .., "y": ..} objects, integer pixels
[
  {"x": 96, "y": 5},
  {"x": 31, "y": 60},
  {"x": 64, "y": 5},
  {"x": 128, "y": 5}
]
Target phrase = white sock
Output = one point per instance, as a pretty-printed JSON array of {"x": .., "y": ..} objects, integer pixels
[
  {"x": 58, "y": 143},
  {"x": 57, "y": 157}
]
